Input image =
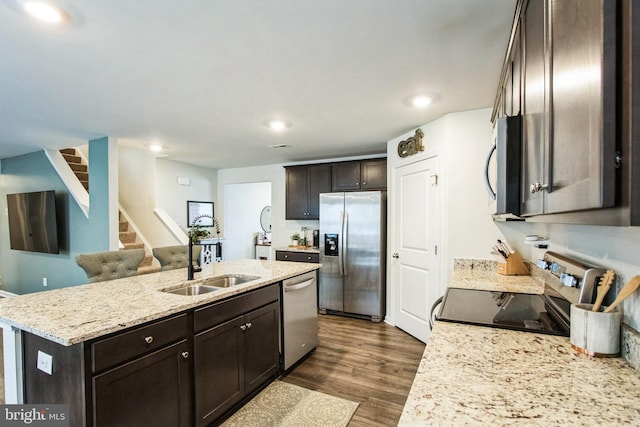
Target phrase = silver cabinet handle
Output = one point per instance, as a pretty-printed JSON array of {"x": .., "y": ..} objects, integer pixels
[
  {"x": 148, "y": 339},
  {"x": 249, "y": 325},
  {"x": 185, "y": 354},
  {"x": 243, "y": 327},
  {"x": 537, "y": 187},
  {"x": 395, "y": 255}
]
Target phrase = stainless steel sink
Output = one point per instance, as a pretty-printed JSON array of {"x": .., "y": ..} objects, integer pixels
[
  {"x": 211, "y": 285},
  {"x": 193, "y": 290},
  {"x": 228, "y": 281}
]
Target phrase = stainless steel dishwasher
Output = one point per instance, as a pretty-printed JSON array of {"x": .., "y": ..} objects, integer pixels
[{"x": 300, "y": 315}]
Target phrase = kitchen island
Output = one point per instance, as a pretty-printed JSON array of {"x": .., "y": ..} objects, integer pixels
[
  {"x": 474, "y": 375},
  {"x": 103, "y": 334}
]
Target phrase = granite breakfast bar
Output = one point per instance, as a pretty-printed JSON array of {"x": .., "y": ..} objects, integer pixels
[
  {"x": 72, "y": 316},
  {"x": 475, "y": 375}
]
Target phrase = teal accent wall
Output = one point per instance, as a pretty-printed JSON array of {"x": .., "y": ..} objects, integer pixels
[
  {"x": 99, "y": 191},
  {"x": 22, "y": 272}
]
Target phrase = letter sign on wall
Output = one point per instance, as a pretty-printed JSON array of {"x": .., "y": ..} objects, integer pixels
[{"x": 411, "y": 145}]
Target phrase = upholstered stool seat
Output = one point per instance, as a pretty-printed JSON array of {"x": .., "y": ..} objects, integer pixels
[
  {"x": 172, "y": 257},
  {"x": 110, "y": 265}
]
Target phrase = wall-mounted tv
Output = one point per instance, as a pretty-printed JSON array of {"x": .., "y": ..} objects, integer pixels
[{"x": 32, "y": 221}]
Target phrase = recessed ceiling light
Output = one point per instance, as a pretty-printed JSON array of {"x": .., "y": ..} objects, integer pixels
[
  {"x": 277, "y": 125},
  {"x": 45, "y": 12},
  {"x": 421, "y": 100},
  {"x": 156, "y": 148}
]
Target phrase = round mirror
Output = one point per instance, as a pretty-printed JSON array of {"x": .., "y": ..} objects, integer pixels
[{"x": 265, "y": 219}]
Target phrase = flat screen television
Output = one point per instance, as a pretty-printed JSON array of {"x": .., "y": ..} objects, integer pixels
[{"x": 32, "y": 221}]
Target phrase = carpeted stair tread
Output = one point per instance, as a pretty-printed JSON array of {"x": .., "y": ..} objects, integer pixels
[
  {"x": 128, "y": 236},
  {"x": 78, "y": 167},
  {"x": 135, "y": 245}
]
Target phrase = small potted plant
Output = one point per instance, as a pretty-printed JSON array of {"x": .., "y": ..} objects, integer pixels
[
  {"x": 295, "y": 239},
  {"x": 197, "y": 233}
]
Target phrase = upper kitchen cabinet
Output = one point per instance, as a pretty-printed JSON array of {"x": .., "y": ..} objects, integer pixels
[
  {"x": 535, "y": 117},
  {"x": 303, "y": 187},
  {"x": 359, "y": 175},
  {"x": 575, "y": 91}
]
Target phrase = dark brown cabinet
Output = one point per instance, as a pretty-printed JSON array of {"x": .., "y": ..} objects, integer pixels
[
  {"x": 152, "y": 390},
  {"x": 359, "y": 175},
  {"x": 304, "y": 183},
  {"x": 294, "y": 256},
  {"x": 562, "y": 73},
  {"x": 303, "y": 187},
  {"x": 569, "y": 126},
  {"x": 153, "y": 363},
  {"x": 185, "y": 370},
  {"x": 236, "y": 353}
]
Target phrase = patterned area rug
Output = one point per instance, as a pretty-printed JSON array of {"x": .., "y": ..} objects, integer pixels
[{"x": 284, "y": 404}]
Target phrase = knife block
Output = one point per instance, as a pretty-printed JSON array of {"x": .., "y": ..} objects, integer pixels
[{"x": 515, "y": 266}]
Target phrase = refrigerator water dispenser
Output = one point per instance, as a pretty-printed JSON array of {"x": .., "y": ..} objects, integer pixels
[{"x": 331, "y": 245}]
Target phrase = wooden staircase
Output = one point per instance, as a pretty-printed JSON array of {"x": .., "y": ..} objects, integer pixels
[
  {"x": 79, "y": 168},
  {"x": 128, "y": 237}
]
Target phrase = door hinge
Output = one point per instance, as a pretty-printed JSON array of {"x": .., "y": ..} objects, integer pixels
[
  {"x": 436, "y": 250},
  {"x": 434, "y": 180}
]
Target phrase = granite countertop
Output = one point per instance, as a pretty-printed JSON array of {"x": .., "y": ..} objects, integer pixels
[
  {"x": 79, "y": 313},
  {"x": 474, "y": 375}
]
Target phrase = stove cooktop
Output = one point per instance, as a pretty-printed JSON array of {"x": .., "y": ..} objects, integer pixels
[{"x": 546, "y": 313}]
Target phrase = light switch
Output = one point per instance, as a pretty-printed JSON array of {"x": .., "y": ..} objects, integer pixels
[{"x": 45, "y": 362}]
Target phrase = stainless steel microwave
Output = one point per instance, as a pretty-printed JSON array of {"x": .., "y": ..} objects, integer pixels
[{"x": 507, "y": 143}]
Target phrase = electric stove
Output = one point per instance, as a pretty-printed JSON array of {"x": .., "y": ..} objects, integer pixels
[{"x": 546, "y": 313}]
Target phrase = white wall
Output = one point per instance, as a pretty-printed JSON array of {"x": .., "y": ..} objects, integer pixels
[
  {"x": 172, "y": 196},
  {"x": 243, "y": 204},
  {"x": 146, "y": 183}
]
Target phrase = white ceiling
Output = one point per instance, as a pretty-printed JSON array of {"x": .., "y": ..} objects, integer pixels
[{"x": 202, "y": 76}]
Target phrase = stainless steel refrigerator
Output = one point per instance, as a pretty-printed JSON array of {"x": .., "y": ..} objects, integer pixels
[{"x": 352, "y": 254}]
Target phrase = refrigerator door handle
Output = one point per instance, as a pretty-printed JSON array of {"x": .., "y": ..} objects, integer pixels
[
  {"x": 345, "y": 244},
  {"x": 340, "y": 245}
]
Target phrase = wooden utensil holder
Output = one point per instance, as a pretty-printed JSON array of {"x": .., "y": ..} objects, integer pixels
[{"x": 515, "y": 266}]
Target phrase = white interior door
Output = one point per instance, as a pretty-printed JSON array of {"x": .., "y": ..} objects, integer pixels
[{"x": 415, "y": 266}]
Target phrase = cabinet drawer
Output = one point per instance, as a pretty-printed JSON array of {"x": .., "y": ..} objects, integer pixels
[
  {"x": 128, "y": 345},
  {"x": 312, "y": 257},
  {"x": 222, "y": 311}
]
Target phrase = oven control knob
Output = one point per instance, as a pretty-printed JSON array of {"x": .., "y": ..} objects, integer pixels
[
  {"x": 542, "y": 264},
  {"x": 568, "y": 280}
]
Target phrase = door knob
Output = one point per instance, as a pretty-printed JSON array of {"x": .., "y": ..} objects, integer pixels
[{"x": 395, "y": 255}]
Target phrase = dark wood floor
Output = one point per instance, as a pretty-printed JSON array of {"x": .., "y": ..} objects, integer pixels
[{"x": 370, "y": 363}]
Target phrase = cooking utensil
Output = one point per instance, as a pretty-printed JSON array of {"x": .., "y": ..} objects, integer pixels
[
  {"x": 626, "y": 290},
  {"x": 603, "y": 288}
]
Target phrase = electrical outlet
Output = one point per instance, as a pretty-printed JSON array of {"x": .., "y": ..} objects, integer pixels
[
  {"x": 45, "y": 362},
  {"x": 44, "y": 281}
]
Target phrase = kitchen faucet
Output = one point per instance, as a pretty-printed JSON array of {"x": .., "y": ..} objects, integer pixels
[{"x": 190, "y": 268}]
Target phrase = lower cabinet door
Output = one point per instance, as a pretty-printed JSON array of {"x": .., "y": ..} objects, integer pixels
[
  {"x": 219, "y": 377},
  {"x": 261, "y": 345},
  {"x": 154, "y": 390}
]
